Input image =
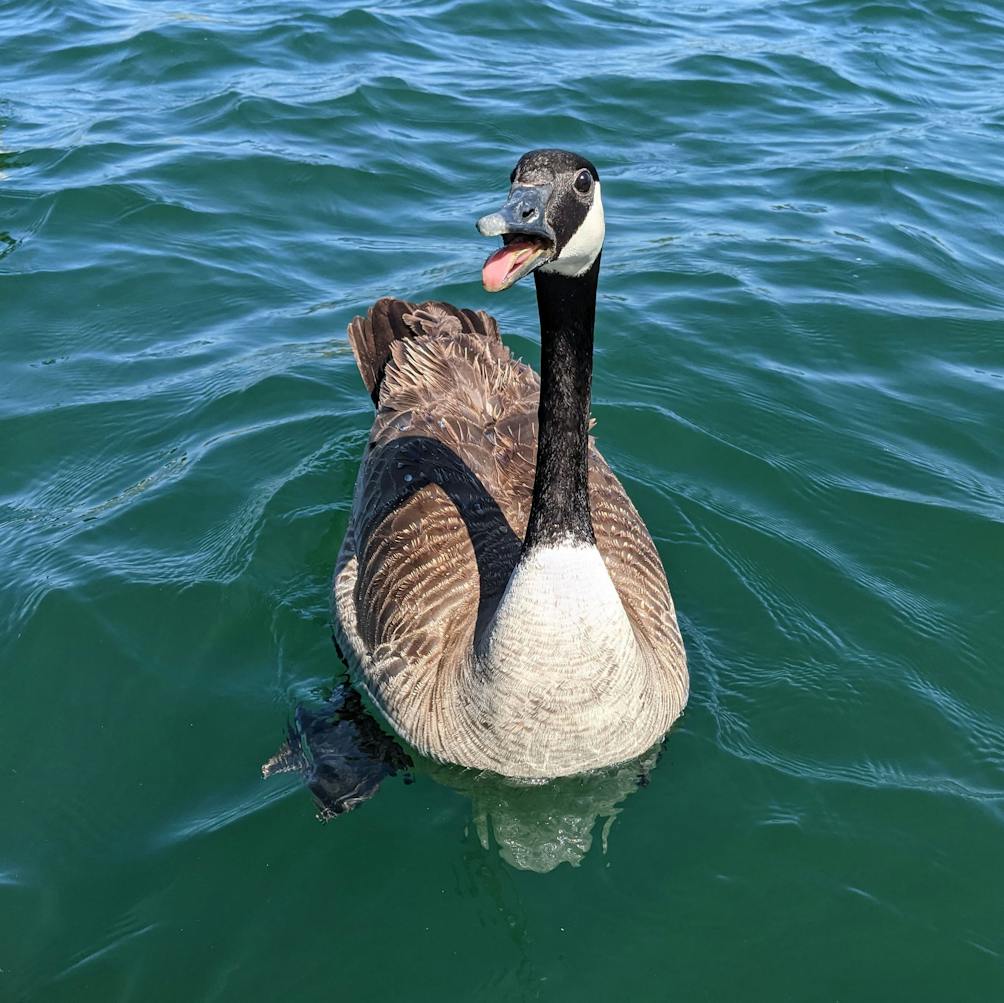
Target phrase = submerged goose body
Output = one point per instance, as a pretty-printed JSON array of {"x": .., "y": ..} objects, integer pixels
[{"x": 497, "y": 595}]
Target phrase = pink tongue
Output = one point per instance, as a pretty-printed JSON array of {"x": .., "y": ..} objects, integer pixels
[{"x": 501, "y": 263}]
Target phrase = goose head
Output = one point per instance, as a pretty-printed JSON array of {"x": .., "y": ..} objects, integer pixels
[{"x": 552, "y": 220}]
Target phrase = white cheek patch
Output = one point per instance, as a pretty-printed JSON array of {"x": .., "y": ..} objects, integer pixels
[{"x": 583, "y": 246}]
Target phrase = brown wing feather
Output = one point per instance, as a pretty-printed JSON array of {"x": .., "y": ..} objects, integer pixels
[
  {"x": 442, "y": 495},
  {"x": 633, "y": 562},
  {"x": 390, "y": 320}
]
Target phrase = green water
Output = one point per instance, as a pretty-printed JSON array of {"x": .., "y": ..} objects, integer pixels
[{"x": 799, "y": 379}]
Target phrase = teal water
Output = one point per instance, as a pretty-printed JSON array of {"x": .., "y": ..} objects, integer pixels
[{"x": 799, "y": 379}]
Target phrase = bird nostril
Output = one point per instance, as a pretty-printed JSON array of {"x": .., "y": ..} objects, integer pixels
[{"x": 529, "y": 213}]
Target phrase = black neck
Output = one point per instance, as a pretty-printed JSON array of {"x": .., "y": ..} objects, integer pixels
[{"x": 560, "y": 507}]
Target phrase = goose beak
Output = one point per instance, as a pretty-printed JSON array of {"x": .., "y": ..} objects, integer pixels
[{"x": 528, "y": 239}]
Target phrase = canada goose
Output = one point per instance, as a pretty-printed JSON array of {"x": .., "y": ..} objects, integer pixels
[{"x": 497, "y": 595}]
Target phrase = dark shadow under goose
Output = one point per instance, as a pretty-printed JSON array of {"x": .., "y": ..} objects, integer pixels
[{"x": 344, "y": 756}]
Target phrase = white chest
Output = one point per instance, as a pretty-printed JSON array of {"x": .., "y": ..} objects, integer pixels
[
  {"x": 560, "y": 684},
  {"x": 560, "y": 611}
]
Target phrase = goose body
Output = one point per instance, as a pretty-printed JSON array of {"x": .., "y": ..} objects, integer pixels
[{"x": 497, "y": 595}]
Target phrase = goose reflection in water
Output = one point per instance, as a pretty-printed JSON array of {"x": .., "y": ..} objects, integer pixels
[{"x": 344, "y": 756}]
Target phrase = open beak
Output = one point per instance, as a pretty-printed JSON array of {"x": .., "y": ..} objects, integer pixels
[{"x": 527, "y": 239}]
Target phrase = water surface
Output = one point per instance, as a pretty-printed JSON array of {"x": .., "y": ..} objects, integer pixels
[{"x": 799, "y": 379}]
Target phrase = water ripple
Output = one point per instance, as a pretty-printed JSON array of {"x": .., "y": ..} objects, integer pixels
[{"x": 798, "y": 378}]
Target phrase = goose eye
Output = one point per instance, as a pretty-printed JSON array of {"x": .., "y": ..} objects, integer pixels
[{"x": 583, "y": 182}]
